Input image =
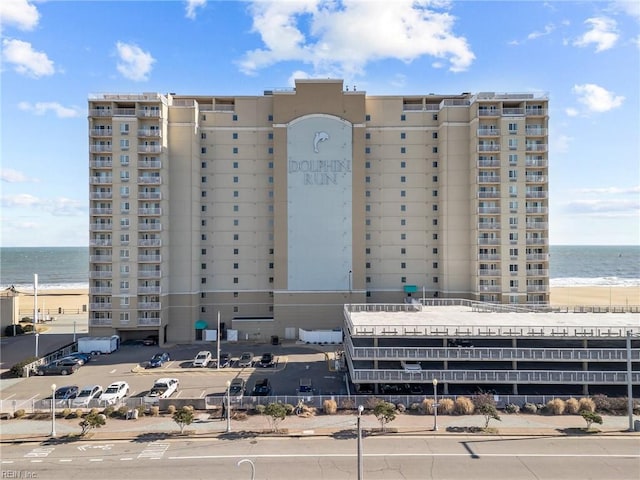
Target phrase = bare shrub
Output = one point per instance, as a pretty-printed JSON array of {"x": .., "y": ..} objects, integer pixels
[
  {"x": 155, "y": 411},
  {"x": 483, "y": 399},
  {"x": 400, "y": 407},
  {"x": 529, "y": 407},
  {"x": 171, "y": 409},
  {"x": 571, "y": 406},
  {"x": 618, "y": 405},
  {"x": 79, "y": 412},
  {"x": 66, "y": 412},
  {"x": 330, "y": 407},
  {"x": 464, "y": 406},
  {"x": 556, "y": 406},
  {"x": 371, "y": 402},
  {"x": 602, "y": 402},
  {"x": 348, "y": 404},
  {"x": 427, "y": 406},
  {"x": 512, "y": 408},
  {"x": 586, "y": 404},
  {"x": 446, "y": 406},
  {"x": 20, "y": 413}
]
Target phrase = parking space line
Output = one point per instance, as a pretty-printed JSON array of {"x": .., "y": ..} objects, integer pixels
[
  {"x": 204, "y": 392},
  {"x": 114, "y": 370}
]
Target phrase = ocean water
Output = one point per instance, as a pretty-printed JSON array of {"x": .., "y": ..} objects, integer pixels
[{"x": 68, "y": 267}]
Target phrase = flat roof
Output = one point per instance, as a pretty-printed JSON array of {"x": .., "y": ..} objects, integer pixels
[{"x": 461, "y": 320}]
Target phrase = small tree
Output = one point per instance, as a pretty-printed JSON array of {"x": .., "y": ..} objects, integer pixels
[
  {"x": 490, "y": 413},
  {"x": 275, "y": 413},
  {"x": 591, "y": 418},
  {"x": 183, "y": 417},
  {"x": 91, "y": 421},
  {"x": 385, "y": 412}
]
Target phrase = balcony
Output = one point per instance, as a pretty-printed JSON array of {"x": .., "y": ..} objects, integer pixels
[
  {"x": 100, "y": 132},
  {"x": 101, "y": 163},
  {"x": 100, "y": 148},
  {"x": 535, "y": 178},
  {"x": 101, "y": 258},
  {"x": 507, "y": 112},
  {"x": 536, "y": 147},
  {"x": 100, "y": 306},
  {"x": 489, "y": 179},
  {"x": 148, "y": 322},
  {"x": 101, "y": 211},
  {"x": 536, "y": 162},
  {"x": 488, "y": 241},
  {"x": 488, "y": 148},
  {"x": 124, "y": 112},
  {"x": 145, "y": 290},
  {"x": 101, "y": 227},
  {"x": 535, "y": 131},
  {"x": 488, "y": 132},
  {"x": 150, "y": 195},
  {"x": 485, "y": 272},
  {"x": 537, "y": 272},
  {"x": 150, "y": 211},
  {"x": 537, "y": 225},
  {"x": 153, "y": 113},
  {"x": 488, "y": 226},
  {"x": 537, "y": 210},
  {"x": 100, "y": 322},
  {"x": 149, "y": 180},
  {"x": 488, "y": 209},
  {"x": 100, "y": 242},
  {"x": 537, "y": 288},
  {"x": 539, "y": 257},
  {"x": 535, "y": 112},
  {"x": 150, "y": 227},
  {"x": 536, "y": 194},
  {"x": 149, "y": 148},
  {"x": 101, "y": 195},
  {"x": 150, "y": 258},
  {"x": 536, "y": 241},
  {"x": 102, "y": 180},
  {"x": 153, "y": 164},
  {"x": 489, "y": 112},
  {"x": 150, "y": 242},
  {"x": 494, "y": 163},
  {"x": 101, "y": 290},
  {"x": 489, "y": 288},
  {"x": 100, "y": 112},
  {"x": 149, "y": 274},
  {"x": 149, "y": 306},
  {"x": 149, "y": 132},
  {"x": 100, "y": 274},
  {"x": 491, "y": 194}
]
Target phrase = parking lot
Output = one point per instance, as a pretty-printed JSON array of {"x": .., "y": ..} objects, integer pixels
[{"x": 292, "y": 362}]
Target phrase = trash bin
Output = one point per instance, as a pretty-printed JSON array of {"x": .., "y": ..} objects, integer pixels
[
  {"x": 636, "y": 425},
  {"x": 275, "y": 340}
]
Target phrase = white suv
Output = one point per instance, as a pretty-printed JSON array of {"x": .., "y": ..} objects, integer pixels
[{"x": 202, "y": 359}]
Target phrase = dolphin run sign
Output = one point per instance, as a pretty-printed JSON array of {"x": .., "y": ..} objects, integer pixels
[{"x": 319, "y": 172}]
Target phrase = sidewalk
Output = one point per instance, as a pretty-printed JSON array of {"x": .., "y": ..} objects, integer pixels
[{"x": 17, "y": 430}]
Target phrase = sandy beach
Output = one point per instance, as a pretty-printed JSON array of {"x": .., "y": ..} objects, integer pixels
[{"x": 72, "y": 301}]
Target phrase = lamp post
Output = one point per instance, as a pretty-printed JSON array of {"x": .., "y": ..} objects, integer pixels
[
  {"x": 360, "y": 463},
  {"x": 228, "y": 406},
  {"x": 435, "y": 404},
  {"x": 37, "y": 335},
  {"x": 74, "y": 331},
  {"x": 53, "y": 410}
]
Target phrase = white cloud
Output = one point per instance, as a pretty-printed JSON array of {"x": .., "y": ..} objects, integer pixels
[
  {"x": 560, "y": 143},
  {"x": 604, "y": 207},
  {"x": 135, "y": 64},
  {"x": 611, "y": 190},
  {"x": 603, "y": 34},
  {"x": 14, "y": 176},
  {"x": 597, "y": 99},
  {"x": 41, "y": 108},
  {"x": 20, "y": 200},
  {"x": 537, "y": 34},
  {"x": 630, "y": 7},
  {"x": 19, "y": 13},
  {"x": 192, "y": 6},
  {"x": 571, "y": 112},
  {"x": 342, "y": 37},
  {"x": 60, "y": 206},
  {"x": 25, "y": 59}
]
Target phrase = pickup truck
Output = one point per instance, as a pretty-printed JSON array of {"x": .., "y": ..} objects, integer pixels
[{"x": 162, "y": 388}]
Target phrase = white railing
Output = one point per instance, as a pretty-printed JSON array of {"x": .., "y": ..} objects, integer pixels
[
  {"x": 513, "y": 111},
  {"x": 149, "y": 273},
  {"x": 537, "y": 272},
  {"x": 535, "y": 147},
  {"x": 100, "y": 306},
  {"x": 488, "y": 148},
  {"x": 150, "y": 227},
  {"x": 101, "y": 274},
  {"x": 148, "y": 289},
  {"x": 149, "y": 306},
  {"x": 149, "y": 322},
  {"x": 155, "y": 242},
  {"x": 149, "y": 180},
  {"x": 150, "y": 164},
  {"x": 101, "y": 290},
  {"x": 101, "y": 132},
  {"x": 489, "y": 179},
  {"x": 104, "y": 180},
  {"x": 150, "y": 195},
  {"x": 495, "y": 194},
  {"x": 100, "y": 258},
  {"x": 149, "y": 148},
  {"x": 101, "y": 195},
  {"x": 101, "y": 211},
  {"x": 99, "y": 148},
  {"x": 149, "y": 211},
  {"x": 149, "y": 258},
  {"x": 488, "y": 132}
]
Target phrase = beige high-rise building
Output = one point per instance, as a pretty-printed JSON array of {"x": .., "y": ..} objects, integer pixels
[{"x": 275, "y": 211}]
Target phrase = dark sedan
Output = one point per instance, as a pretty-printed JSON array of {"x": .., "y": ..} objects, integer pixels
[
  {"x": 158, "y": 360},
  {"x": 60, "y": 367},
  {"x": 82, "y": 357},
  {"x": 66, "y": 393},
  {"x": 266, "y": 360},
  {"x": 262, "y": 388}
]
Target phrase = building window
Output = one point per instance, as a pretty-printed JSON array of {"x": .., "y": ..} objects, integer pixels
[
  {"x": 367, "y": 136},
  {"x": 235, "y": 150},
  {"x": 270, "y": 151},
  {"x": 435, "y": 250},
  {"x": 434, "y": 193},
  {"x": 434, "y": 178},
  {"x": 236, "y": 236},
  {"x": 203, "y": 135},
  {"x": 124, "y": 222},
  {"x": 403, "y": 117},
  {"x": 435, "y": 279},
  {"x": 367, "y": 118},
  {"x": 236, "y": 194},
  {"x": 513, "y": 268},
  {"x": 367, "y": 222},
  {"x": 367, "y": 164},
  {"x": 367, "y": 251},
  {"x": 124, "y": 253},
  {"x": 124, "y": 191},
  {"x": 235, "y": 118},
  {"x": 403, "y": 222},
  {"x": 367, "y": 150},
  {"x": 203, "y": 223},
  {"x": 236, "y": 251},
  {"x": 513, "y": 128},
  {"x": 434, "y": 135},
  {"x": 270, "y": 179},
  {"x": 124, "y": 144},
  {"x": 203, "y": 165},
  {"x": 236, "y": 208},
  {"x": 124, "y": 175},
  {"x": 270, "y": 165},
  {"x": 367, "y": 265},
  {"x": 270, "y": 136},
  {"x": 203, "y": 251},
  {"x": 513, "y": 252},
  {"x": 235, "y": 164},
  {"x": 203, "y": 266},
  {"x": 235, "y": 179},
  {"x": 367, "y": 179},
  {"x": 434, "y": 164},
  {"x": 435, "y": 208},
  {"x": 367, "y": 236},
  {"x": 235, "y": 294},
  {"x": 235, "y": 136},
  {"x": 513, "y": 206},
  {"x": 513, "y": 159},
  {"x": 403, "y": 236},
  {"x": 434, "y": 236},
  {"x": 124, "y": 160},
  {"x": 367, "y": 194},
  {"x": 236, "y": 266},
  {"x": 203, "y": 280},
  {"x": 236, "y": 309},
  {"x": 270, "y": 118},
  {"x": 235, "y": 280},
  {"x": 513, "y": 144},
  {"x": 203, "y": 179},
  {"x": 403, "y": 193},
  {"x": 124, "y": 269},
  {"x": 124, "y": 207},
  {"x": 435, "y": 116},
  {"x": 203, "y": 208},
  {"x": 434, "y": 264},
  {"x": 403, "y": 279},
  {"x": 124, "y": 317},
  {"x": 368, "y": 280},
  {"x": 203, "y": 309},
  {"x": 203, "y": 237},
  {"x": 203, "y": 193},
  {"x": 434, "y": 150},
  {"x": 403, "y": 265},
  {"x": 403, "y": 150},
  {"x": 236, "y": 222},
  {"x": 434, "y": 222},
  {"x": 513, "y": 174},
  {"x": 403, "y": 251},
  {"x": 403, "y": 208},
  {"x": 513, "y": 237},
  {"x": 513, "y": 190},
  {"x": 403, "y": 135},
  {"x": 203, "y": 294},
  {"x": 403, "y": 164},
  {"x": 403, "y": 179},
  {"x": 203, "y": 150}
]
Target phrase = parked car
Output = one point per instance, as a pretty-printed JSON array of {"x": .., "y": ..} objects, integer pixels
[
  {"x": 63, "y": 394},
  {"x": 151, "y": 340},
  {"x": 225, "y": 360},
  {"x": 267, "y": 360},
  {"x": 262, "y": 388},
  {"x": 162, "y": 388},
  {"x": 158, "y": 360},
  {"x": 114, "y": 393},
  {"x": 245, "y": 360},
  {"x": 395, "y": 389},
  {"x": 81, "y": 357},
  {"x": 305, "y": 387},
  {"x": 85, "y": 395},
  {"x": 202, "y": 359},
  {"x": 64, "y": 366},
  {"x": 236, "y": 389}
]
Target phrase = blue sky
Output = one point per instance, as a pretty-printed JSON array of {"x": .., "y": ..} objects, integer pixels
[{"x": 585, "y": 55}]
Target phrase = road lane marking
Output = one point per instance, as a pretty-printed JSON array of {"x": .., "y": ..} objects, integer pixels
[
  {"x": 154, "y": 451},
  {"x": 96, "y": 459},
  {"x": 126, "y": 459},
  {"x": 114, "y": 370},
  {"x": 39, "y": 452},
  {"x": 66, "y": 460}
]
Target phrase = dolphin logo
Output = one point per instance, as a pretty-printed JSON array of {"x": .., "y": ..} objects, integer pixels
[{"x": 319, "y": 137}]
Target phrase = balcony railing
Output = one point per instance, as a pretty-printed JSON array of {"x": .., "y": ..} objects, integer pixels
[
  {"x": 535, "y": 111},
  {"x": 155, "y": 242},
  {"x": 149, "y": 132},
  {"x": 488, "y": 148},
  {"x": 493, "y": 112},
  {"x": 101, "y": 227},
  {"x": 535, "y": 131},
  {"x": 488, "y": 241},
  {"x": 101, "y": 132},
  {"x": 540, "y": 257},
  {"x": 150, "y": 195},
  {"x": 488, "y": 209},
  {"x": 537, "y": 288},
  {"x": 103, "y": 180},
  {"x": 101, "y": 211},
  {"x": 149, "y": 113},
  {"x": 100, "y": 242},
  {"x": 150, "y": 211},
  {"x": 100, "y": 274},
  {"x": 489, "y": 225},
  {"x": 149, "y": 180},
  {"x": 536, "y": 147},
  {"x": 537, "y": 272},
  {"x": 489, "y": 163},
  {"x": 535, "y": 178},
  {"x": 100, "y": 148},
  {"x": 149, "y": 148},
  {"x": 149, "y": 274},
  {"x": 490, "y": 288},
  {"x": 512, "y": 111},
  {"x": 489, "y": 179},
  {"x": 488, "y": 132},
  {"x": 149, "y": 306},
  {"x": 536, "y": 241},
  {"x": 101, "y": 195},
  {"x": 488, "y": 257},
  {"x": 537, "y": 209},
  {"x": 485, "y": 272},
  {"x": 100, "y": 322},
  {"x": 150, "y": 258},
  {"x": 101, "y": 290},
  {"x": 150, "y": 227},
  {"x": 536, "y": 162},
  {"x": 536, "y": 194},
  {"x": 125, "y": 112},
  {"x": 149, "y": 322},
  {"x": 489, "y": 194},
  {"x": 101, "y": 163},
  {"x": 100, "y": 306},
  {"x": 155, "y": 164},
  {"x": 101, "y": 258},
  {"x": 100, "y": 112},
  {"x": 537, "y": 225},
  {"x": 148, "y": 289}
]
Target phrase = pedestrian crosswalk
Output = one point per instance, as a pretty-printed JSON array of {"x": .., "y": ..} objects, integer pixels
[{"x": 154, "y": 450}]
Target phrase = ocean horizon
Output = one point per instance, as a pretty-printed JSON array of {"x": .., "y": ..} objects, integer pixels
[{"x": 569, "y": 265}]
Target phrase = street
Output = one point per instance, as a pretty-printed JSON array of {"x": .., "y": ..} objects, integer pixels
[{"x": 385, "y": 457}]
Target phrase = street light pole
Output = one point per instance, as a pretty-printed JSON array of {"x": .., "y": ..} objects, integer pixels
[
  {"x": 74, "y": 331},
  {"x": 53, "y": 410},
  {"x": 435, "y": 404},
  {"x": 228, "y": 406},
  {"x": 37, "y": 335},
  {"x": 360, "y": 462}
]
